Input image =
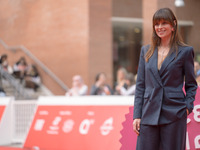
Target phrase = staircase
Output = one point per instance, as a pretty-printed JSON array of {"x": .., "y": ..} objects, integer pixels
[
  {"x": 41, "y": 65},
  {"x": 14, "y": 87}
]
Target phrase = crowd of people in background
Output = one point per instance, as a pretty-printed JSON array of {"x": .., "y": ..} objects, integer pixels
[
  {"x": 27, "y": 74},
  {"x": 125, "y": 85}
]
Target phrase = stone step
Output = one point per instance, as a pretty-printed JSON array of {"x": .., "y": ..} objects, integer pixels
[{"x": 10, "y": 91}]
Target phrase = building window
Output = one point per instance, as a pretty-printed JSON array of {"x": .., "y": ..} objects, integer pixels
[{"x": 127, "y": 41}]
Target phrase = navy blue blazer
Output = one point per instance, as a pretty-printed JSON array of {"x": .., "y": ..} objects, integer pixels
[{"x": 159, "y": 97}]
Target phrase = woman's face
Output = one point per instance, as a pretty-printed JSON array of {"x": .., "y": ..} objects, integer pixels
[
  {"x": 163, "y": 29},
  {"x": 76, "y": 81},
  {"x": 102, "y": 78},
  {"x": 120, "y": 75}
]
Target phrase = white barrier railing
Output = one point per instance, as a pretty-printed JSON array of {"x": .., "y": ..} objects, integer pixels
[{"x": 23, "y": 113}]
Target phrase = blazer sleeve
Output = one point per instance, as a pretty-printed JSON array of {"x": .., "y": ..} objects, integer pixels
[
  {"x": 190, "y": 81},
  {"x": 140, "y": 86}
]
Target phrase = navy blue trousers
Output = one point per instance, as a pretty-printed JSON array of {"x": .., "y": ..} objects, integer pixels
[{"x": 163, "y": 137}]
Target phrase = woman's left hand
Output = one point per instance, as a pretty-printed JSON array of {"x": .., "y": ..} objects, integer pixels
[{"x": 187, "y": 111}]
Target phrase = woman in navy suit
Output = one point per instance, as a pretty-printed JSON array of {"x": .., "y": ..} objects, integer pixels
[{"x": 160, "y": 106}]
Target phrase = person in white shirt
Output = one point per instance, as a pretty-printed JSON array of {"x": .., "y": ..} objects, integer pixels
[
  {"x": 78, "y": 87},
  {"x": 130, "y": 81}
]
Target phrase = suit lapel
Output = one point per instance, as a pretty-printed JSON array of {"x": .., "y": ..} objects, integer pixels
[
  {"x": 167, "y": 61},
  {"x": 154, "y": 67}
]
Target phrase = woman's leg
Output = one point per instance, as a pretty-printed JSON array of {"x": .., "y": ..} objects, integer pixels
[
  {"x": 149, "y": 138},
  {"x": 173, "y": 135}
]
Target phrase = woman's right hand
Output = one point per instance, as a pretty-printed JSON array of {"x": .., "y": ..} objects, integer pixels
[{"x": 136, "y": 126}]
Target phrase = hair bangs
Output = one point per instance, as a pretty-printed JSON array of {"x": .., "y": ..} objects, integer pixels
[{"x": 163, "y": 15}]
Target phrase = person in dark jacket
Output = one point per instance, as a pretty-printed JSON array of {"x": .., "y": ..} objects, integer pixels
[
  {"x": 100, "y": 87},
  {"x": 161, "y": 107}
]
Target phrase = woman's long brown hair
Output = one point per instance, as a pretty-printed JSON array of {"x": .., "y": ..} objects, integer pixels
[{"x": 176, "y": 40}]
